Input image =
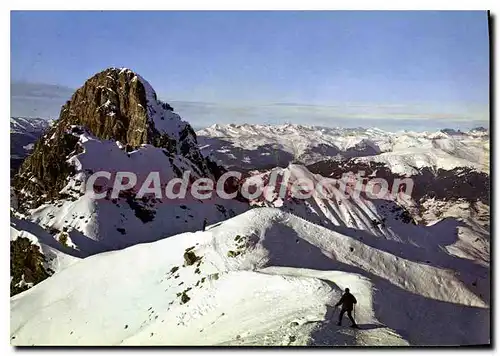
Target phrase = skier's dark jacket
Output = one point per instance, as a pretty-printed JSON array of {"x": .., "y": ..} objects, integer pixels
[{"x": 347, "y": 301}]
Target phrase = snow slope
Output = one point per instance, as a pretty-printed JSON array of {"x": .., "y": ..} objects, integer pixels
[
  {"x": 264, "y": 277},
  {"x": 165, "y": 121},
  {"x": 461, "y": 225},
  {"x": 96, "y": 225},
  {"x": 266, "y": 146},
  {"x": 345, "y": 210}
]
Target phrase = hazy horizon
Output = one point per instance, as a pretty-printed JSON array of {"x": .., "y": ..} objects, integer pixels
[
  {"x": 45, "y": 101},
  {"x": 418, "y": 70}
]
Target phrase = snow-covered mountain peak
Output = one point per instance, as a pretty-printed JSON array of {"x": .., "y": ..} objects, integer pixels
[
  {"x": 119, "y": 103},
  {"x": 115, "y": 104},
  {"x": 113, "y": 123}
]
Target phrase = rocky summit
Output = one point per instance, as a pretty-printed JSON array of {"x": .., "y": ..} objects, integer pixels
[{"x": 115, "y": 104}]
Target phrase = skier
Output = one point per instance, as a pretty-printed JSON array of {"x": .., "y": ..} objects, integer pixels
[
  {"x": 347, "y": 301},
  {"x": 204, "y": 224}
]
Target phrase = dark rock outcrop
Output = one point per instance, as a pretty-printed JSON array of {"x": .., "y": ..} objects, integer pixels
[
  {"x": 110, "y": 105},
  {"x": 453, "y": 132},
  {"x": 26, "y": 265}
]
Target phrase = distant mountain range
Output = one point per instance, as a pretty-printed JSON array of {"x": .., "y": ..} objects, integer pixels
[
  {"x": 24, "y": 132},
  {"x": 249, "y": 147}
]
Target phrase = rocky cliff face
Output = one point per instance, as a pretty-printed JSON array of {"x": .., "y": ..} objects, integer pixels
[{"x": 114, "y": 104}]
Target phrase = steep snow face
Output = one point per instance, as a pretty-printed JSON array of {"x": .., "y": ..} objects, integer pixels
[
  {"x": 473, "y": 234},
  {"x": 265, "y": 146},
  {"x": 382, "y": 217},
  {"x": 162, "y": 116},
  {"x": 264, "y": 277},
  {"x": 96, "y": 225}
]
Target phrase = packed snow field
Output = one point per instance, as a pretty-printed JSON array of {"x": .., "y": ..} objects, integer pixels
[{"x": 264, "y": 277}]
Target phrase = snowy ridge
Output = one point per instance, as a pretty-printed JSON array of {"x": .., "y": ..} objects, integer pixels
[
  {"x": 293, "y": 273},
  {"x": 410, "y": 153},
  {"x": 113, "y": 123},
  {"x": 164, "y": 120},
  {"x": 342, "y": 137}
]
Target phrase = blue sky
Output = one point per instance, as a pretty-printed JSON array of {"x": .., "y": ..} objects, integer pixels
[{"x": 387, "y": 69}]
